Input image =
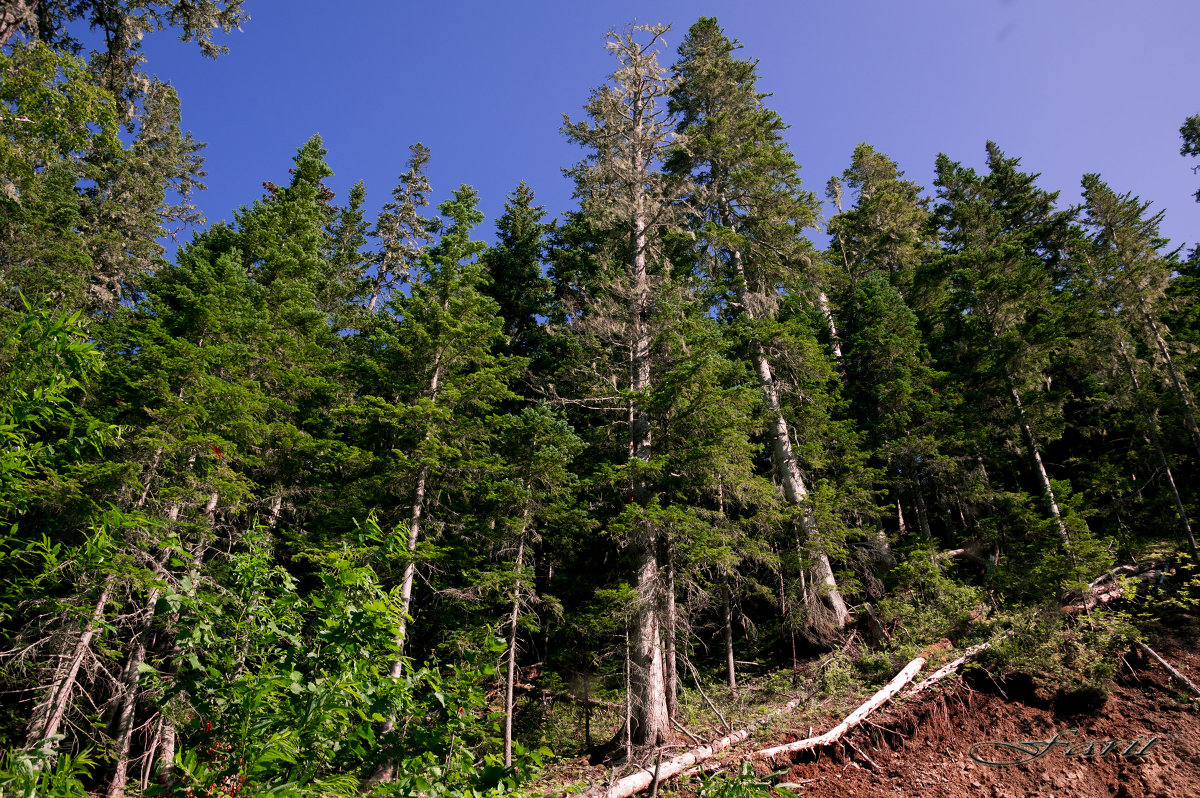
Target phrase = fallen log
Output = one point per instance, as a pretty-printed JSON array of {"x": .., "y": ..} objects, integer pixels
[
  {"x": 636, "y": 782},
  {"x": 1176, "y": 675},
  {"x": 1109, "y": 587},
  {"x": 853, "y": 719},
  {"x": 953, "y": 666}
]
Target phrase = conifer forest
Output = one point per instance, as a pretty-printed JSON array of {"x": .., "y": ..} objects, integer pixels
[{"x": 423, "y": 503}]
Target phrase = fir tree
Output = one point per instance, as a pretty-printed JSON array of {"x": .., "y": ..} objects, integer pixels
[
  {"x": 750, "y": 211},
  {"x": 627, "y": 134}
]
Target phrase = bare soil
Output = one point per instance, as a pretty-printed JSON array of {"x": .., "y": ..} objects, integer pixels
[{"x": 925, "y": 750}]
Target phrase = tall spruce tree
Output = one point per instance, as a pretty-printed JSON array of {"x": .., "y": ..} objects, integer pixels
[
  {"x": 514, "y": 264},
  {"x": 1126, "y": 275},
  {"x": 622, "y": 190},
  {"x": 894, "y": 391},
  {"x": 998, "y": 321},
  {"x": 749, "y": 210},
  {"x": 429, "y": 379}
]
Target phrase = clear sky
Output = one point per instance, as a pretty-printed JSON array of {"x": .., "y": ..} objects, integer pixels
[{"x": 1070, "y": 86}]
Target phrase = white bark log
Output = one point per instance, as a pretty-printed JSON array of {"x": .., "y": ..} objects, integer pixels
[
  {"x": 636, "y": 782},
  {"x": 951, "y": 667},
  {"x": 1176, "y": 675},
  {"x": 853, "y": 719}
]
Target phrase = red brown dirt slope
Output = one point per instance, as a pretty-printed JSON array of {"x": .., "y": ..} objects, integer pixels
[{"x": 925, "y": 750}]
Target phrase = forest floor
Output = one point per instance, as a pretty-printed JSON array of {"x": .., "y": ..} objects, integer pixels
[{"x": 924, "y": 748}]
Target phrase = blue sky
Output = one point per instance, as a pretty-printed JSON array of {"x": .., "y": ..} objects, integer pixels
[{"x": 1070, "y": 86}]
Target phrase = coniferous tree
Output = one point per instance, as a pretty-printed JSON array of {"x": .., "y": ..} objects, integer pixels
[
  {"x": 894, "y": 392},
  {"x": 1127, "y": 276},
  {"x": 515, "y": 267},
  {"x": 750, "y": 211},
  {"x": 998, "y": 323},
  {"x": 429, "y": 380},
  {"x": 621, "y": 189}
]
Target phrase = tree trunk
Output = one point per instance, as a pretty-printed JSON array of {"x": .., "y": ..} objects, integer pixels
[
  {"x": 510, "y": 681},
  {"x": 788, "y": 470},
  {"x": 48, "y": 715},
  {"x": 636, "y": 782},
  {"x": 835, "y": 343},
  {"x": 670, "y": 628},
  {"x": 1036, "y": 456},
  {"x": 387, "y": 770},
  {"x": 14, "y": 14},
  {"x": 651, "y": 721},
  {"x": 922, "y": 511},
  {"x": 130, "y": 679},
  {"x": 730, "y": 663},
  {"x": 1156, "y": 441}
]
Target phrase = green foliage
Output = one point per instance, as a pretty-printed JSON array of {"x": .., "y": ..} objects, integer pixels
[
  {"x": 53, "y": 112},
  {"x": 47, "y": 360},
  {"x": 924, "y": 603},
  {"x": 1062, "y": 654},
  {"x": 282, "y": 690},
  {"x": 43, "y": 773},
  {"x": 1190, "y": 133},
  {"x": 745, "y": 783}
]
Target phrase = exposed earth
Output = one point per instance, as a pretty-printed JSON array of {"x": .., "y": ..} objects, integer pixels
[
  {"x": 927, "y": 751},
  {"x": 924, "y": 748}
]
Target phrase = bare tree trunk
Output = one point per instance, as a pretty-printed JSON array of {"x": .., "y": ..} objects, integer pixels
[
  {"x": 1036, "y": 456},
  {"x": 835, "y": 343},
  {"x": 166, "y": 754},
  {"x": 922, "y": 512},
  {"x": 1152, "y": 428},
  {"x": 416, "y": 511},
  {"x": 628, "y": 695},
  {"x": 130, "y": 679},
  {"x": 794, "y": 489},
  {"x": 670, "y": 630},
  {"x": 386, "y": 771},
  {"x": 48, "y": 715},
  {"x": 14, "y": 13},
  {"x": 510, "y": 681},
  {"x": 796, "y": 493},
  {"x": 276, "y": 509},
  {"x": 651, "y": 721},
  {"x": 1181, "y": 389},
  {"x": 730, "y": 663}
]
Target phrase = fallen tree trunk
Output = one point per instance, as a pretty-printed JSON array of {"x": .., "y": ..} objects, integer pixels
[
  {"x": 953, "y": 666},
  {"x": 853, "y": 719},
  {"x": 1108, "y": 586},
  {"x": 636, "y": 782},
  {"x": 1176, "y": 675}
]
